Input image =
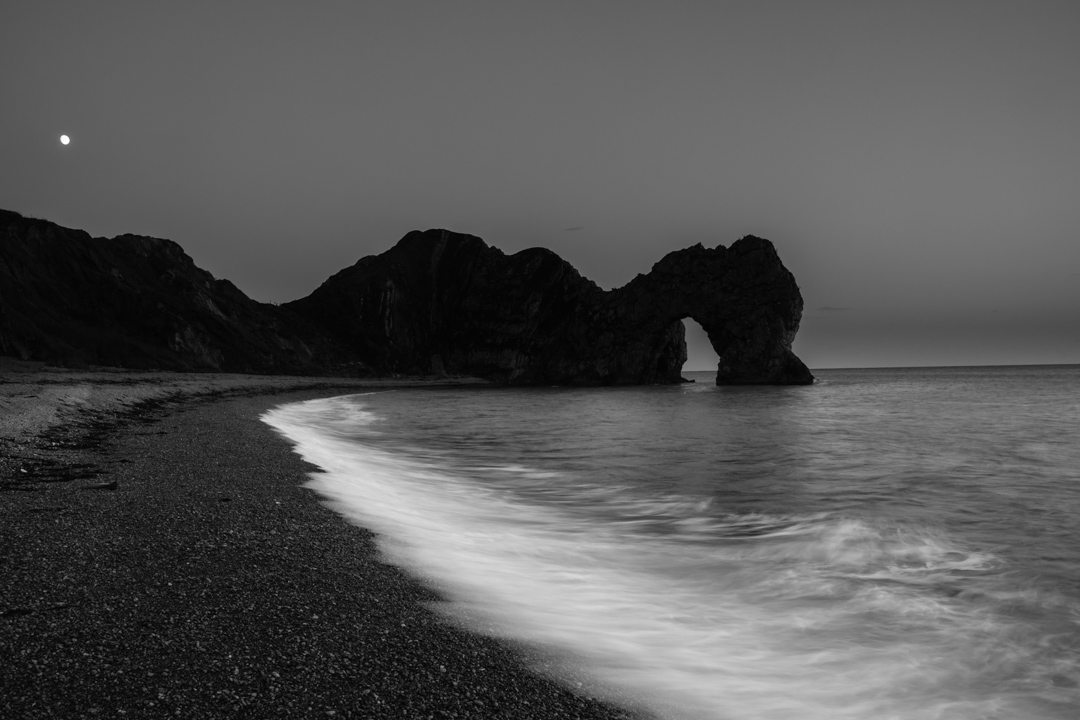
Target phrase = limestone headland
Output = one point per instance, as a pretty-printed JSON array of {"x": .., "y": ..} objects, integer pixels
[{"x": 437, "y": 303}]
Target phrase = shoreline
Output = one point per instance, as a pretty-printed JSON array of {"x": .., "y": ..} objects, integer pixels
[{"x": 208, "y": 582}]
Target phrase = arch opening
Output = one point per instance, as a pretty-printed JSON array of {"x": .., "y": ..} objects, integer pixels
[{"x": 700, "y": 355}]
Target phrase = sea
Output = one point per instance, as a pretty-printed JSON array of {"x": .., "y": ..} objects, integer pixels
[{"x": 882, "y": 544}]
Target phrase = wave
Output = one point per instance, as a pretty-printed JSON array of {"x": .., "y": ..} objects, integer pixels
[{"x": 675, "y": 603}]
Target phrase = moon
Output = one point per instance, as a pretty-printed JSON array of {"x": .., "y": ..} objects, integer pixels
[{"x": 64, "y": 139}]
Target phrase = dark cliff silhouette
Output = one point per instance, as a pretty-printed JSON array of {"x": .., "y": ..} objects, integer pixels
[
  {"x": 436, "y": 303},
  {"x": 138, "y": 302},
  {"x": 443, "y": 302}
]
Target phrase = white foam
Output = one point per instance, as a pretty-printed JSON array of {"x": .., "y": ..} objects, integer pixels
[{"x": 774, "y": 617}]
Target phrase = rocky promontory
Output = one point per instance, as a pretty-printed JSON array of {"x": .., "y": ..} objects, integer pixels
[
  {"x": 442, "y": 302},
  {"x": 141, "y": 303},
  {"x": 437, "y": 303}
]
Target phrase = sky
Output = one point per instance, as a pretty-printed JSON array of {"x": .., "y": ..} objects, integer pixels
[{"x": 917, "y": 164}]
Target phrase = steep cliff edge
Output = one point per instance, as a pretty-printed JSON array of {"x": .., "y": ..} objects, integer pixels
[
  {"x": 137, "y": 302},
  {"x": 436, "y": 303},
  {"x": 441, "y": 302}
]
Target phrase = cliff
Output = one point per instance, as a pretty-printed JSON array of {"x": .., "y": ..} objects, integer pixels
[
  {"x": 436, "y": 303},
  {"x": 138, "y": 302},
  {"x": 443, "y": 302}
]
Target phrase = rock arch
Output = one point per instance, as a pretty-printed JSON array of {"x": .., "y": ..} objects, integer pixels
[
  {"x": 700, "y": 355},
  {"x": 462, "y": 307}
]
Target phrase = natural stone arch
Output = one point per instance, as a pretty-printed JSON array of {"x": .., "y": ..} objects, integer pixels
[
  {"x": 462, "y": 307},
  {"x": 700, "y": 355},
  {"x": 743, "y": 297}
]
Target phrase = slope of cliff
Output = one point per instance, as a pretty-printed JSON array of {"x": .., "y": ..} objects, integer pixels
[
  {"x": 443, "y": 302},
  {"x": 436, "y": 303},
  {"x": 135, "y": 302}
]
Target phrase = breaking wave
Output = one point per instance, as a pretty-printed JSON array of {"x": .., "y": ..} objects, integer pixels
[{"x": 678, "y": 603}]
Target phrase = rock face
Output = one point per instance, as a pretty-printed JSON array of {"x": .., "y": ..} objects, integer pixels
[
  {"x": 439, "y": 302},
  {"x": 436, "y": 303},
  {"x": 137, "y": 302}
]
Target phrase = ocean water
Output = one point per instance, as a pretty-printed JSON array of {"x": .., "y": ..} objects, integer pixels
[{"x": 900, "y": 543}]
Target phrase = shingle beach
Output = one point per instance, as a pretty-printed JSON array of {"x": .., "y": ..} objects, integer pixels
[{"x": 159, "y": 557}]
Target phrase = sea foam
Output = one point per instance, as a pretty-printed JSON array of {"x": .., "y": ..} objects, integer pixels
[{"x": 671, "y": 602}]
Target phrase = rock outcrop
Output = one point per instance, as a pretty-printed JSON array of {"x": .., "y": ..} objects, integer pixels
[
  {"x": 436, "y": 303},
  {"x": 138, "y": 302},
  {"x": 441, "y": 302}
]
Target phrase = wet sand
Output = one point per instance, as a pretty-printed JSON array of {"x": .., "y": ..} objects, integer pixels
[{"x": 160, "y": 558}]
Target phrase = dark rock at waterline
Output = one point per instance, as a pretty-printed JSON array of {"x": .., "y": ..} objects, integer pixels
[
  {"x": 437, "y": 303},
  {"x": 441, "y": 302}
]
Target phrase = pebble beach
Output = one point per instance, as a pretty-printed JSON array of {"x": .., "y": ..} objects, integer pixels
[{"x": 161, "y": 558}]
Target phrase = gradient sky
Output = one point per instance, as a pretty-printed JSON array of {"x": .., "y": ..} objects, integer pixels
[{"x": 917, "y": 164}]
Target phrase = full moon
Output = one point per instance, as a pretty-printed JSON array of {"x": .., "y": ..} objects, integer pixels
[{"x": 64, "y": 139}]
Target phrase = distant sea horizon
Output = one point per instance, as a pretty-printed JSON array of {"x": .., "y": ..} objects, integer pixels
[
  {"x": 886, "y": 543},
  {"x": 908, "y": 367},
  {"x": 919, "y": 367},
  {"x": 911, "y": 367}
]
